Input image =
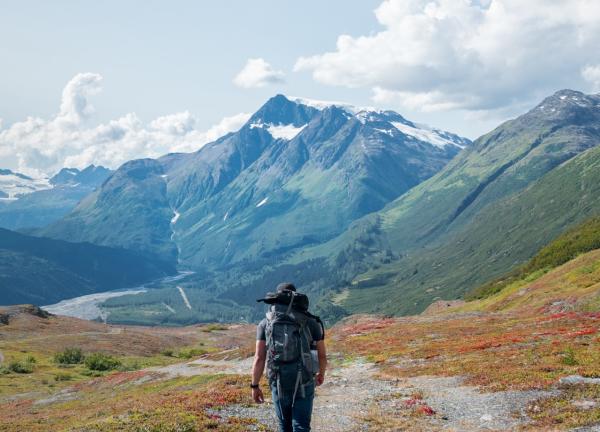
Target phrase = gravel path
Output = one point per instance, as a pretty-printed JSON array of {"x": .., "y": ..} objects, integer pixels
[{"x": 465, "y": 408}]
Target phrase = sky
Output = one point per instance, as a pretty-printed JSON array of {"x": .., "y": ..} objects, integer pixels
[{"x": 104, "y": 82}]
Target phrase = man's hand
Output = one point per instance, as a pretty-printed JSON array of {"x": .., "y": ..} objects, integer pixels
[
  {"x": 257, "y": 395},
  {"x": 320, "y": 378}
]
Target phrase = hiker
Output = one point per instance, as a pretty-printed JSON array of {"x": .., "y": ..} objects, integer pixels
[{"x": 291, "y": 341}]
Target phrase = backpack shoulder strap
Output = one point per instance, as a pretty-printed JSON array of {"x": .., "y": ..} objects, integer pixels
[{"x": 318, "y": 320}]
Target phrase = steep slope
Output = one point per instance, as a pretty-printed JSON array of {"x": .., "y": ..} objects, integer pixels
[
  {"x": 42, "y": 271},
  {"x": 581, "y": 239},
  {"x": 572, "y": 286},
  {"x": 491, "y": 208},
  {"x": 57, "y": 198},
  {"x": 297, "y": 173}
]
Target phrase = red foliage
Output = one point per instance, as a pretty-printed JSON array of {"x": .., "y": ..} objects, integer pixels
[
  {"x": 583, "y": 332},
  {"x": 426, "y": 410}
]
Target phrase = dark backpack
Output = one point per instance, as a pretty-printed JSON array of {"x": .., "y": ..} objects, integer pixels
[{"x": 289, "y": 360}]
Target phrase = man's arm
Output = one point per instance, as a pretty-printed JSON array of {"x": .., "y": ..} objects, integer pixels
[
  {"x": 260, "y": 356},
  {"x": 322, "y": 353}
]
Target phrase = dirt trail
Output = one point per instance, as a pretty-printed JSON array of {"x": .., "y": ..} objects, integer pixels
[{"x": 352, "y": 392}]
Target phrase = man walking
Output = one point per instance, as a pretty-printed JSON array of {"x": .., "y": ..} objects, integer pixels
[{"x": 291, "y": 342}]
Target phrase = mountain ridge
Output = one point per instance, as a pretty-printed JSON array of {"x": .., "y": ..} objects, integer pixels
[{"x": 220, "y": 186}]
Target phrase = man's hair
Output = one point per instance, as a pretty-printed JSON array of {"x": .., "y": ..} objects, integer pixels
[{"x": 286, "y": 286}]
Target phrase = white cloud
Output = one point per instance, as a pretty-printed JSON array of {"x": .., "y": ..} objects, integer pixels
[
  {"x": 592, "y": 75},
  {"x": 466, "y": 54},
  {"x": 41, "y": 147},
  {"x": 257, "y": 73}
]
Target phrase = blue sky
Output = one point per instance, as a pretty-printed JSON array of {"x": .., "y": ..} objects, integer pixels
[
  {"x": 103, "y": 82},
  {"x": 159, "y": 57}
]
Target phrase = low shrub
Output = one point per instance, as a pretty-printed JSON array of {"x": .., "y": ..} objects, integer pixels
[
  {"x": 213, "y": 327},
  {"x": 101, "y": 362},
  {"x": 69, "y": 356},
  {"x": 191, "y": 352},
  {"x": 569, "y": 357},
  {"x": 22, "y": 367}
]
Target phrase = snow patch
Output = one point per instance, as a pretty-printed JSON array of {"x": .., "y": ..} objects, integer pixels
[
  {"x": 389, "y": 132},
  {"x": 185, "y": 298},
  {"x": 262, "y": 203},
  {"x": 279, "y": 131},
  {"x": 286, "y": 132},
  {"x": 425, "y": 134}
]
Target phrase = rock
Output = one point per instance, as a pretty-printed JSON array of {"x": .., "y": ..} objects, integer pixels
[
  {"x": 487, "y": 418},
  {"x": 7, "y": 312},
  {"x": 441, "y": 305},
  {"x": 578, "y": 379},
  {"x": 585, "y": 404}
]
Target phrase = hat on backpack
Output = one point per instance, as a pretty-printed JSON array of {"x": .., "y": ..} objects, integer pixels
[{"x": 286, "y": 286}]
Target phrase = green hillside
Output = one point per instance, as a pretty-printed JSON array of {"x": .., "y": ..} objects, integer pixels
[
  {"x": 578, "y": 240},
  {"x": 43, "y": 271}
]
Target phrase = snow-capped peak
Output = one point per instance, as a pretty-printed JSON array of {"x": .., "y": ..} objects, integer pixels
[{"x": 321, "y": 105}]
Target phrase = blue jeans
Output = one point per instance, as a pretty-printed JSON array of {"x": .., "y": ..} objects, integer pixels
[{"x": 294, "y": 418}]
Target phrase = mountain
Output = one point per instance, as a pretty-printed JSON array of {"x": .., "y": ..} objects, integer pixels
[
  {"x": 43, "y": 271},
  {"x": 92, "y": 176},
  {"x": 487, "y": 211},
  {"x": 37, "y": 203},
  {"x": 296, "y": 174}
]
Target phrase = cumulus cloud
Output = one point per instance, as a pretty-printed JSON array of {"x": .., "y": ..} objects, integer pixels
[
  {"x": 257, "y": 73},
  {"x": 467, "y": 54},
  {"x": 592, "y": 75},
  {"x": 41, "y": 147}
]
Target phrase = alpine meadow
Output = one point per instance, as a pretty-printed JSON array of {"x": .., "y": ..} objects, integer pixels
[{"x": 223, "y": 190}]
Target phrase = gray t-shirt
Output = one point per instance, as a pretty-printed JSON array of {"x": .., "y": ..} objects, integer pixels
[{"x": 313, "y": 326}]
